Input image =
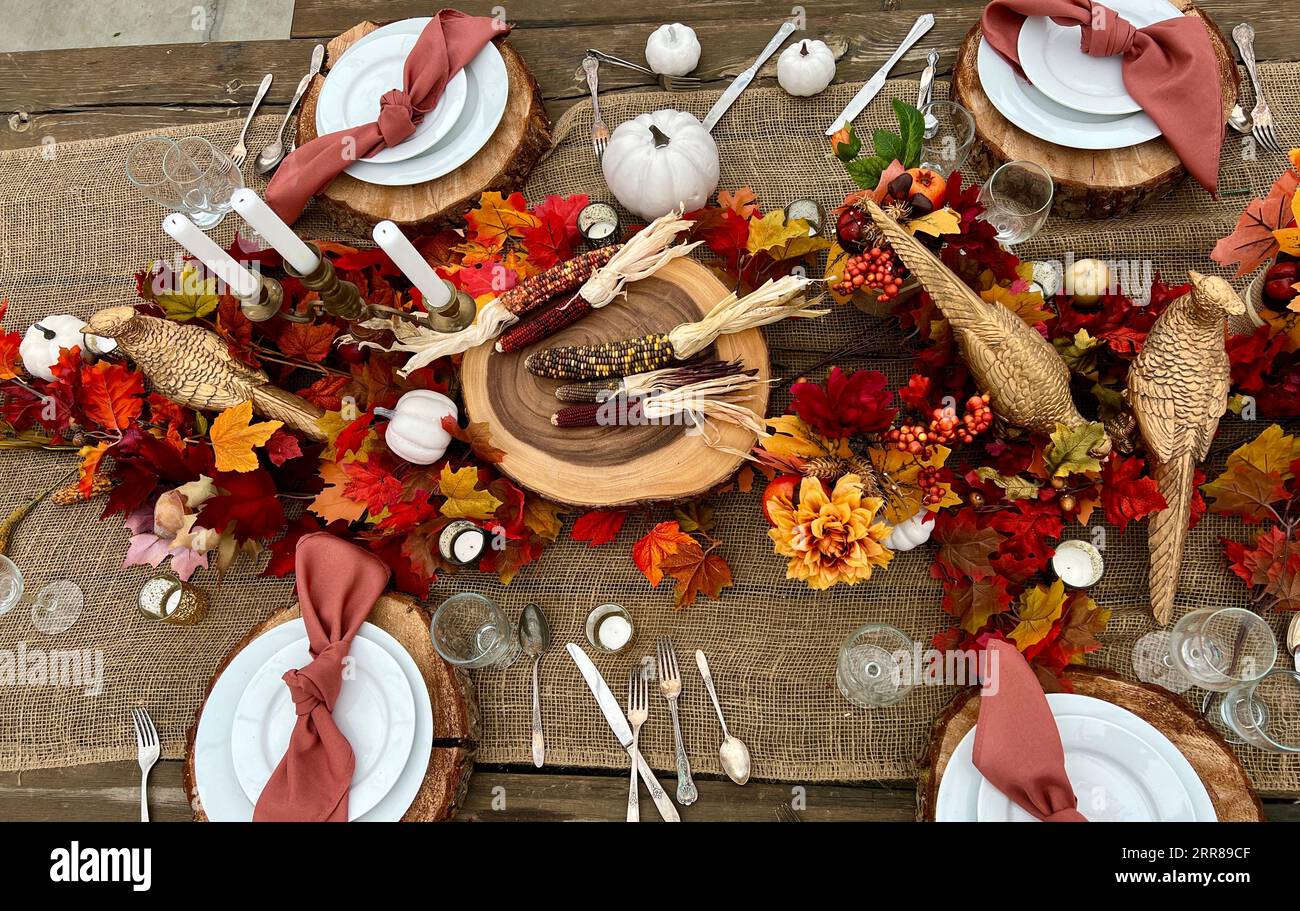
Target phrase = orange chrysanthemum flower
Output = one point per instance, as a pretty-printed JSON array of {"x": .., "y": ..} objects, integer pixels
[{"x": 830, "y": 539}]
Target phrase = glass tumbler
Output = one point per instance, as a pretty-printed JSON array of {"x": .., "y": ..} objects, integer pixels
[
  {"x": 1266, "y": 712},
  {"x": 188, "y": 175},
  {"x": 470, "y": 630},
  {"x": 1017, "y": 199},
  {"x": 949, "y": 134},
  {"x": 873, "y": 666},
  {"x": 11, "y": 584},
  {"x": 1220, "y": 648}
]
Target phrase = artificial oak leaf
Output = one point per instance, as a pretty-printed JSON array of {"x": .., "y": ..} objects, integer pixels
[
  {"x": 309, "y": 341},
  {"x": 1070, "y": 450},
  {"x": 464, "y": 500},
  {"x": 477, "y": 436},
  {"x": 743, "y": 201},
  {"x": 111, "y": 395},
  {"x": 234, "y": 437},
  {"x": 1125, "y": 494},
  {"x": 1037, "y": 610},
  {"x": 660, "y": 542},
  {"x": 331, "y": 504},
  {"x": 598, "y": 527},
  {"x": 964, "y": 548},
  {"x": 192, "y": 295},
  {"x": 498, "y": 218},
  {"x": 698, "y": 572}
]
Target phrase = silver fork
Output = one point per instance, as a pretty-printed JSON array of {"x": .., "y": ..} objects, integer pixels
[
  {"x": 240, "y": 151},
  {"x": 638, "y": 710},
  {"x": 599, "y": 132},
  {"x": 786, "y": 813},
  {"x": 146, "y": 737},
  {"x": 670, "y": 683},
  {"x": 669, "y": 83},
  {"x": 1262, "y": 130}
]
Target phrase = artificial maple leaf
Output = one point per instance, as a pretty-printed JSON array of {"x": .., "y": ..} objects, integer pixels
[
  {"x": 698, "y": 572},
  {"x": 743, "y": 202},
  {"x": 662, "y": 541},
  {"x": 1082, "y": 621},
  {"x": 793, "y": 438},
  {"x": 846, "y": 404},
  {"x": 507, "y": 561},
  {"x": 331, "y": 504},
  {"x": 247, "y": 506},
  {"x": 1026, "y": 304},
  {"x": 420, "y": 548},
  {"x": 284, "y": 550},
  {"x": 464, "y": 499},
  {"x": 781, "y": 239},
  {"x": 1013, "y": 487},
  {"x": 309, "y": 341},
  {"x": 975, "y": 602},
  {"x": 91, "y": 457},
  {"x": 327, "y": 392},
  {"x": 598, "y": 527},
  {"x": 837, "y": 261},
  {"x": 1125, "y": 495},
  {"x": 1069, "y": 452},
  {"x": 234, "y": 437},
  {"x": 371, "y": 482},
  {"x": 936, "y": 223},
  {"x": 1038, "y": 609},
  {"x": 916, "y": 394},
  {"x": 543, "y": 517},
  {"x": 694, "y": 516},
  {"x": 1246, "y": 491},
  {"x": 9, "y": 342},
  {"x": 498, "y": 218},
  {"x": 553, "y": 239},
  {"x": 282, "y": 446},
  {"x": 1252, "y": 241},
  {"x": 193, "y": 295},
  {"x": 964, "y": 548},
  {"x": 111, "y": 395},
  {"x": 355, "y": 438},
  {"x": 477, "y": 436}
]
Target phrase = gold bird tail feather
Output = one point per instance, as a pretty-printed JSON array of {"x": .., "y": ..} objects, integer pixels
[
  {"x": 1167, "y": 532},
  {"x": 296, "y": 412}
]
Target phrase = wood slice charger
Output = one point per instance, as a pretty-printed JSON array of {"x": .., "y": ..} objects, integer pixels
[
  {"x": 1217, "y": 765},
  {"x": 1089, "y": 184},
  {"x": 455, "y": 710},
  {"x": 520, "y": 140},
  {"x": 600, "y": 467}
]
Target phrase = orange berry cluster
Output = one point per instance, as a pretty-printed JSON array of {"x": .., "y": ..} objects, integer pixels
[
  {"x": 874, "y": 270},
  {"x": 944, "y": 427},
  {"x": 932, "y": 492}
]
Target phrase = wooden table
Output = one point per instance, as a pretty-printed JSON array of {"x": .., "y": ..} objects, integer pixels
[{"x": 68, "y": 95}]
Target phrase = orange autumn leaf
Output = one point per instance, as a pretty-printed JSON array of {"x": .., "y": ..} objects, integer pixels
[
  {"x": 113, "y": 395},
  {"x": 309, "y": 341},
  {"x": 697, "y": 573},
  {"x": 91, "y": 456},
  {"x": 662, "y": 541},
  {"x": 1252, "y": 241},
  {"x": 500, "y": 217},
  {"x": 743, "y": 202},
  {"x": 331, "y": 504},
  {"x": 9, "y": 343},
  {"x": 234, "y": 437}
]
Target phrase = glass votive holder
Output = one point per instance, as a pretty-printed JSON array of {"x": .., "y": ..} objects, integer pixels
[
  {"x": 610, "y": 629},
  {"x": 11, "y": 585},
  {"x": 169, "y": 600},
  {"x": 598, "y": 224},
  {"x": 949, "y": 135}
]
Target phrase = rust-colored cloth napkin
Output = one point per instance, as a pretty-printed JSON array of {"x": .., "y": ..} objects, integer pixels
[
  {"x": 450, "y": 41},
  {"x": 1017, "y": 746},
  {"x": 338, "y": 584},
  {"x": 1169, "y": 68}
]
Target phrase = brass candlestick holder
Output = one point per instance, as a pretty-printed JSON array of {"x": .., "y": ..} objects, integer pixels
[
  {"x": 338, "y": 298},
  {"x": 265, "y": 302}
]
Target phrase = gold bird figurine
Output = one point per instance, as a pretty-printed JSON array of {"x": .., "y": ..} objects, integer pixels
[
  {"x": 1178, "y": 390},
  {"x": 1027, "y": 382},
  {"x": 194, "y": 367}
]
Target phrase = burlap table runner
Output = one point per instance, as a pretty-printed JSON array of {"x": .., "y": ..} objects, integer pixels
[{"x": 73, "y": 231}]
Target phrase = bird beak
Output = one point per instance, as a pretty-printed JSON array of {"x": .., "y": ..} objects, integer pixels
[{"x": 1196, "y": 278}]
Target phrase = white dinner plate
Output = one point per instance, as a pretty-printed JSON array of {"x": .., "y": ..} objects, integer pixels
[
  {"x": 375, "y": 711},
  {"x": 959, "y": 789},
  {"x": 487, "y": 88},
  {"x": 1051, "y": 57},
  {"x": 350, "y": 96},
  {"x": 1116, "y": 777},
  {"x": 219, "y": 792},
  {"x": 1038, "y": 115}
]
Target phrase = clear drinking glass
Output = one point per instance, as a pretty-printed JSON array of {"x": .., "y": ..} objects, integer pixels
[
  {"x": 1017, "y": 199},
  {"x": 470, "y": 630},
  {"x": 873, "y": 666},
  {"x": 1218, "y": 649},
  {"x": 57, "y": 606},
  {"x": 1266, "y": 712},
  {"x": 188, "y": 175},
  {"x": 11, "y": 584},
  {"x": 949, "y": 134}
]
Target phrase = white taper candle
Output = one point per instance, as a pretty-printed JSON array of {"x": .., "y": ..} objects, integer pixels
[
  {"x": 402, "y": 252},
  {"x": 264, "y": 221},
  {"x": 242, "y": 282}
]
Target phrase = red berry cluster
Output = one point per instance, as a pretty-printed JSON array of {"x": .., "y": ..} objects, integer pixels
[
  {"x": 931, "y": 485},
  {"x": 875, "y": 270},
  {"x": 944, "y": 427}
]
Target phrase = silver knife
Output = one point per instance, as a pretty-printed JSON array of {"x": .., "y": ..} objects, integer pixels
[
  {"x": 739, "y": 84},
  {"x": 877, "y": 82},
  {"x": 618, "y": 724}
]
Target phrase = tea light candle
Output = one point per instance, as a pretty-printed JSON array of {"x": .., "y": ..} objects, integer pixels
[
  {"x": 462, "y": 542},
  {"x": 809, "y": 210},
  {"x": 242, "y": 282},
  {"x": 402, "y": 252},
  {"x": 598, "y": 224},
  {"x": 1077, "y": 563},
  {"x": 609, "y": 628},
  {"x": 262, "y": 219},
  {"x": 166, "y": 598}
]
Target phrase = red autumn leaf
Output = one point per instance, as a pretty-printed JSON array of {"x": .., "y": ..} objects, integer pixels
[
  {"x": 9, "y": 343},
  {"x": 1252, "y": 357},
  {"x": 236, "y": 329},
  {"x": 1199, "y": 509},
  {"x": 372, "y": 483},
  {"x": 309, "y": 341},
  {"x": 553, "y": 239},
  {"x": 1125, "y": 494},
  {"x": 247, "y": 506},
  {"x": 662, "y": 541},
  {"x": 964, "y": 547},
  {"x": 282, "y": 446},
  {"x": 476, "y": 436},
  {"x": 598, "y": 527},
  {"x": 697, "y": 573},
  {"x": 327, "y": 392},
  {"x": 405, "y": 515},
  {"x": 916, "y": 394},
  {"x": 847, "y": 403},
  {"x": 726, "y": 236},
  {"x": 1252, "y": 241},
  {"x": 480, "y": 278},
  {"x": 353, "y": 435},
  {"x": 1036, "y": 519},
  {"x": 973, "y": 603},
  {"x": 111, "y": 395}
]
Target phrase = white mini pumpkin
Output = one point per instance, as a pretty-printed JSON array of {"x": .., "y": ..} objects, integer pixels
[
  {"x": 911, "y": 533},
  {"x": 42, "y": 343},
  {"x": 415, "y": 432},
  {"x": 805, "y": 68},
  {"x": 672, "y": 50},
  {"x": 660, "y": 161}
]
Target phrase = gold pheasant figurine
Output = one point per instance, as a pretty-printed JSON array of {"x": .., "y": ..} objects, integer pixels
[
  {"x": 192, "y": 366},
  {"x": 1178, "y": 390},
  {"x": 1028, "y": 383}
]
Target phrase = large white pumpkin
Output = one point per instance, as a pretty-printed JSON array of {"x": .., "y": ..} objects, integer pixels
[
  {"x": 661, "y": 161},
  {"x": 415, "y": 432},
  {"x": 805, "y": 68}
]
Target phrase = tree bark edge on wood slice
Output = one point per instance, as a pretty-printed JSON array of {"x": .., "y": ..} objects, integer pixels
[
  {"x": 1220, "y": 769},
  {"x": 456, "y": 719},
  {"x": 1089, "y": 184},
  {"x": 503, "y": 164},
  {"x": 612, "y": 467}
]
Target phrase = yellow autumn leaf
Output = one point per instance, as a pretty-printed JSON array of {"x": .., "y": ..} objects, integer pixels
[
  {"x": 463, "y": 498},
  {"x": 543, "y": 517},
  {"x": 904, "y": 469},
  {"x": 781, "y": 239},
  {"x": 1288, "y": 239},
  {"x": 1028, "y": 305},
  {"x": 940, "y": 221},
  {"x": 1037, "y": 610},
  {"x": 791, "y": 437},
  {"x": 836, "y": 263},
  {"x": 234, "y": 437},
  {"x": 1271, "y": 451}
]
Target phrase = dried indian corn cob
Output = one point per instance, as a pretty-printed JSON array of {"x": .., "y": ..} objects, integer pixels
[
  {"x": 585, "y": 362},
  {"x": 65, "y": 496},
  {"x": 561, "y": 278},
  {"x": 544, "y": 324},
  {"x": 596, "y": 391},
  {"x": 598, "y": 414}
]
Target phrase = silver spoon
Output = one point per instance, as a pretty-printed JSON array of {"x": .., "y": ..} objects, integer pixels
[
  {"x": 535, "y": 637},
  {"x": 733, "y": 754},
  {"x": 270, "y": 157}
]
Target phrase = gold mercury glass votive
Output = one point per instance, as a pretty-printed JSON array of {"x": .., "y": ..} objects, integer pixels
[{"x": 165, "y": 598}]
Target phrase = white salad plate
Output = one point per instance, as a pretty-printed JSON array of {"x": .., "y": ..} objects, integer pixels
[
  {"x": 354, "y": 86},
  {"x": 219, "y": 790},
  {"x": 1055, "y": 63},
  {"x": 1120, "y": 766}
]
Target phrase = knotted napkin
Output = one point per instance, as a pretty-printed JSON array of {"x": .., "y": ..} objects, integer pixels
[
  {"x": 450, "y": 41},
  {"x": 338, "y": 584},
  {"x": 1169, "y": 68},
  {"x": 1017, "y": 746}
]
